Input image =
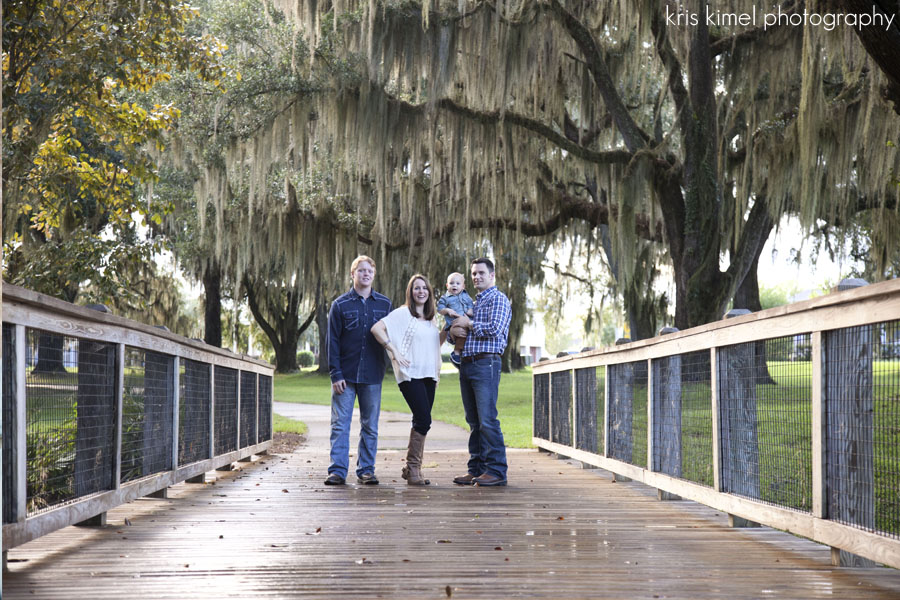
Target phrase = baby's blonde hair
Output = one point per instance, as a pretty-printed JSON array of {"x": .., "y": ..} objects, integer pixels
[{"x": 451, "y": 275}]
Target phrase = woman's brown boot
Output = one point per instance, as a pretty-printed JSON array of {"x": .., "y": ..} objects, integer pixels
[{"x": 412, "y": 472}]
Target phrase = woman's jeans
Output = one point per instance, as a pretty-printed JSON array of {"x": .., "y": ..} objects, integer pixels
[
  {"x": 479, "y": 383},
  {"x": 342, "y": 415},
  {"x": 419, "y": 395}
]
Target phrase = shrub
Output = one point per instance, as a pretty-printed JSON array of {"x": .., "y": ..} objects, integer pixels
[{"x": 305, "y": 358}]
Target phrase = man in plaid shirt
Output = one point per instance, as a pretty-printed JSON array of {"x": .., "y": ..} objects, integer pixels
[{"x": 479, "y": 377}]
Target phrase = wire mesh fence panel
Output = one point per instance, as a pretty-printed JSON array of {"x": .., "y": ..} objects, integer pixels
[
  {"x": 765, "y": 391},
  {"x": 696, "y": 418},
  {"x": 193, "y": 412},
  {"x": 628, "y": 412},
  {"x": 226, "y": 410},
  {"x": 248, "y": 408},
  {"x": 147, "y": 410},
  {"x": 682, "y": 417},
  {"x": 666, "y": 405},
  {"x": 586, "y": 409},
  {"x": 561, "y": 407},
  {"x": 70, "y": 418},
  {"x": 265, "y": 408},
  {"x": 541, "y": 417},
  {"x": 784, "y": 420},
  {"x": 887, "y": 429},
  {"x": 9, "y": 416},
  {"x": 862, "y": 407}
]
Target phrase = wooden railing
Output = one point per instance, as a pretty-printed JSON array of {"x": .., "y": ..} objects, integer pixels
[
  {"x": 789, "y": 417},
  {"x": 99, "y": 410}
]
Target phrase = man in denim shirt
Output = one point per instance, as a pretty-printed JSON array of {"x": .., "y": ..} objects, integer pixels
[{"x": 356, "y": 362}]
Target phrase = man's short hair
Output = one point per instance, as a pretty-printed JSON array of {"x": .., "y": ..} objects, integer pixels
[
  {"x": 486, "y": 262},
  {"x": 359, "y": 259}
]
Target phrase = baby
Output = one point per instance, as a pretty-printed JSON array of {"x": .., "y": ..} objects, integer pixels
[{"x": 454, "y": 304}]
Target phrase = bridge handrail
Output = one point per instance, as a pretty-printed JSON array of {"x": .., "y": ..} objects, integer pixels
[
  {"x": 815, "y": 452},
  {"x": 135, "y": 409}
]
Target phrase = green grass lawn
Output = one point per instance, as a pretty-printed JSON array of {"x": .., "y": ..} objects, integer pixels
[
  {"x": 514, "y": 404},
  {"x": 282, "y": 424}
]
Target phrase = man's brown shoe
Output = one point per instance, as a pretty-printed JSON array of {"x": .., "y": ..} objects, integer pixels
[
  {"x": 467, "y": 479},
  {"x": 486, "y": 479}
]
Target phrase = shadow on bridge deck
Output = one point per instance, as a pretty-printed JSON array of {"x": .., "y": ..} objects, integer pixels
[{"x": 272, "y": 529}]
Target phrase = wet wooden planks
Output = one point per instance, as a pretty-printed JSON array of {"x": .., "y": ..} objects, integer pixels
[{"x": 272, "y": 530}]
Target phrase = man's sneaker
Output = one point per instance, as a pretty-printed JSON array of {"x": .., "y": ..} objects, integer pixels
[
  {"x": 334, "y": 479},
  {"x": 455, "y": 358},
  {"x": 367, "y": 479}
]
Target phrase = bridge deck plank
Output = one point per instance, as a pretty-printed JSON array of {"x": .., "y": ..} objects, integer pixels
[{"x": 272, "y": 530}]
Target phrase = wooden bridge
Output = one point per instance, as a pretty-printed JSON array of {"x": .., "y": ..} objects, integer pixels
[
  {"x": 690, "y": 415},
  {"x": 272, "y": 529}
]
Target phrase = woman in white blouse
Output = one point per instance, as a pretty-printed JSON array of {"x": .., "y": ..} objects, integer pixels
[{"x": 410, "y": 336}]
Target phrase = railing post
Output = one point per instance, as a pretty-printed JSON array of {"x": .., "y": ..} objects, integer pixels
[
  {"x": 606, "y": 388},
  {"x": 716, "y": 419},
  {"x": 176, "y": 410},
  {"x": 650, "y": 420},
  {"x": 237, "y": 433},
  {"x": 573, "y": 409},
  {"x": 817, "y": 422},
  {"x": 21, "y": 455},
  {"x": 120, "y": 402},
  {"x": 212, "y": 410}
]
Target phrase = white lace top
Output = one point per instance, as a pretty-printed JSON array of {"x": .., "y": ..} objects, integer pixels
[{"x": 418, "y": 341}]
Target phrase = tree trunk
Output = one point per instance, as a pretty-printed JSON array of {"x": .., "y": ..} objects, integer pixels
[
  {"x": 640, "y": 306},
  {"x": 279, "y": 321},
  {"x": 747, "y": 296},
  {"x": 212, "y": 284},
  {"x": 50, "y": 354},
  {"x": 322, "y": 324}
]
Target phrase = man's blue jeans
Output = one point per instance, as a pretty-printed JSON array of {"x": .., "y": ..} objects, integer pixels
[
  {"x": 479, "y": 383},
  {"x": 342, "y": 415}
]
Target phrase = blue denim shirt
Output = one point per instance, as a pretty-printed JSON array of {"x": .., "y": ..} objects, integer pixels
[
  {"x": 353, "y": 353},
  {"x": 461, "y": 303}
]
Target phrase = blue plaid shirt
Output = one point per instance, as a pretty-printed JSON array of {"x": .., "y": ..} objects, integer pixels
[
  {"x": 353, "y": 353},
  {"x": 490, "y": 325}
]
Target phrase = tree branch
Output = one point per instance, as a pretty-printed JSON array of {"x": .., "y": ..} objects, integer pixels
[
  {"x": 635, "y": 138},
  {"x": 619, "y": 156}
]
